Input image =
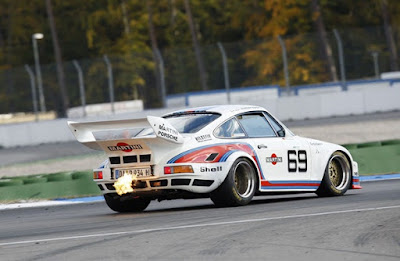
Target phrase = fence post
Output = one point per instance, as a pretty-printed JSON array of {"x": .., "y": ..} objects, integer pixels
[
  {"x": 375, "y": 56},
  {"x": 162, "y": 78},
  {"x": 33, "y": 89},
  {"x": 341, "y": 59},
  {"x": 110, "y": 82},
  {"x": 226, "y": 72},
  {"x": 81, "y": 86},
  {"x": 285, "y": 63}
]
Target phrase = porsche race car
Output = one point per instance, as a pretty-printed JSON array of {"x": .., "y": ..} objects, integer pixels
[{"x": 227, "y": 152}]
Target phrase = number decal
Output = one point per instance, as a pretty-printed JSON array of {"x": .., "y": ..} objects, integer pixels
[
  {"x": 302, "y": 161},
  {"x": 297, "y": 161},
  {"x": 292, "y": 162}
]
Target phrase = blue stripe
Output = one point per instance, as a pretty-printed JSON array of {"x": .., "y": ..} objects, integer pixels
[
  {"x": 290, "y": 187},
  {"x": 294, "y": 181},
  {"x": 226, "y": 155},
  {"x": 84, "y": 199},
  {"x": 380, "y": 177},
  {"x": 172, "y": 160},
  {"x": 190, "y": 151}
]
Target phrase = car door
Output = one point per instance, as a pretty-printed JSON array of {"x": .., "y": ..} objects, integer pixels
[
  {"x": 280, "y": 158},
  {"x": 297, "y": 157}
]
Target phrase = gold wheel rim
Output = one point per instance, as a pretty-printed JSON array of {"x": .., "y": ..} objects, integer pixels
[{"x": 339, "y": 172}]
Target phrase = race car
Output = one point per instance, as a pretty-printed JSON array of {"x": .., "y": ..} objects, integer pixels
[{"x": 228, "y": 153}]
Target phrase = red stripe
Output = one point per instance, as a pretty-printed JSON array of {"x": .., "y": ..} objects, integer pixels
[
  {"x": 266, "y": 183},
  {"x": 199, "y": 156}
]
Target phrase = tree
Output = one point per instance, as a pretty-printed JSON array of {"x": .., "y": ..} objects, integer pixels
[
  {"x": 325, "y": 48},
  {"x": 58, "y": 58},
  {"x": 389, "y": 35},
  {"x": 154, "y": 47},
  {"x": 196, "y": 47}
]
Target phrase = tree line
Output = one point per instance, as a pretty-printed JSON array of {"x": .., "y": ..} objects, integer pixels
[{"x": 186, "y": 33}]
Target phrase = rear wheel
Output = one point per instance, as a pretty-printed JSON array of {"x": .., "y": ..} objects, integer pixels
[
  {"x": 126, "y": 203},
  {"x": 238, "y": 187},
  {"x": 337, "y": 177}
]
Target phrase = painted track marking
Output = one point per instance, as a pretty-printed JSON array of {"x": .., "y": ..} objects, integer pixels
[{"x": 196, "y": 226}]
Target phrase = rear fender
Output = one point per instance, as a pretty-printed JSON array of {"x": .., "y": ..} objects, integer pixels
[{"x": 241, "y": 154}]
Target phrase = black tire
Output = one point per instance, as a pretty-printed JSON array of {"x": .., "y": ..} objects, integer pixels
[
  {"x": 337, "y": 177},
  {"x": 126, "y": 204},
  {"x": 238, "y": 187}
]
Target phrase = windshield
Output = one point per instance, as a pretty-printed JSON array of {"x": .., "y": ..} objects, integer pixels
[{"x": 191, "y": 123}]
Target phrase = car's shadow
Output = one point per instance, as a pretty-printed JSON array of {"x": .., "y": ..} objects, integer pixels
[{"x": 201, "y": 204}]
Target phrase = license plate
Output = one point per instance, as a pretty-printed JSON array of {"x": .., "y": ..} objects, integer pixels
[{"x": 138, "y": 172}]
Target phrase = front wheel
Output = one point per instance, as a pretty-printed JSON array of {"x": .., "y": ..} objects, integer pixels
[
  {"x": 238, "y": 187},
  {"x": 126, "y": 203},
  {"x": 337, "y": 177}
]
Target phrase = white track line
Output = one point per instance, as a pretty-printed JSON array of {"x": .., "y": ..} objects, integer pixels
[
  {"x": 35, "y": 204},
  {"x": 195, "y": 226}
]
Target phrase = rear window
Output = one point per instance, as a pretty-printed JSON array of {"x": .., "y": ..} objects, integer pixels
[{"x": 191, "y": 123}]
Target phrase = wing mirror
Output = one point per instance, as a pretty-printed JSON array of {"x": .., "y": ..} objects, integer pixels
[{"x": 282, "y": 133}]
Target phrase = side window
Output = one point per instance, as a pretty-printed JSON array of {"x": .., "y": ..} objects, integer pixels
[
  {"x": 278, "y": 128},
  {"x": 229, "y": 129},
  {"x": 256, "y": 125}
]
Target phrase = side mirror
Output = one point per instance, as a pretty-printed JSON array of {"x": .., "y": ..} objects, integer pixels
[{"x": 281, "y": 133}]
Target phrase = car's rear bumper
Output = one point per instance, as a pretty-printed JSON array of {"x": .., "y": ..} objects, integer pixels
[{"x": 190, "y": 183}]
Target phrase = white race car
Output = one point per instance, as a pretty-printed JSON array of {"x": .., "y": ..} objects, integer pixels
[{"x": 228, "y": 153}]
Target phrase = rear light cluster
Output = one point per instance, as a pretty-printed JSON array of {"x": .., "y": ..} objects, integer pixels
[
  {"x": 97, "y": 174},
  {"x": 178, "y": 169}
]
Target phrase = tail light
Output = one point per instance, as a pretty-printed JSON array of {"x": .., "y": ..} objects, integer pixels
[
  {"x": 178, "y": 169},
  {"x": 97, "y": 175}
]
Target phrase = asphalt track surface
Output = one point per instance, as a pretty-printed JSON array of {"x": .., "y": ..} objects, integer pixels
[{"x": 362, "y": 225}]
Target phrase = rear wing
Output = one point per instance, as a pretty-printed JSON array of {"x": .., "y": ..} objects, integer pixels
[{"x": 89, "y": 133}]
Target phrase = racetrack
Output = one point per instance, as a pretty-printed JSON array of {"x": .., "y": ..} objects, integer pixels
[{"x": 362, "y": 225}]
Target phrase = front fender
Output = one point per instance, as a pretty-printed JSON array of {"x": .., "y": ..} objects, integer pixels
[{"x": 322, "y": 151}]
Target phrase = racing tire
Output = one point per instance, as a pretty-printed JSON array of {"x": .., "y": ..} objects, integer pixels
[
  {"x": 126, "y": 204},
  {"x": 337, "y": 176},
  {"x": 238, "y": 187}
]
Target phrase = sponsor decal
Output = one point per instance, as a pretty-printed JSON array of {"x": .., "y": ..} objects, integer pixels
[
  {"x": 125, "y": 147},
  {"x": 274, "y": 159},
  {"x": 224, "y": 150},
  {"x": 203, "y": 138},
  {"x": 214, "y": 169},
  {"x": 167, "y": 132}
]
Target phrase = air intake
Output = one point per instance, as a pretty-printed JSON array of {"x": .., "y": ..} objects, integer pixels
[
  {"x": 212, "y": 157},
  {"x": 115, "y": 160},
  {"x": 145, "y": 158},
  {"x": 130, "y": 159}
]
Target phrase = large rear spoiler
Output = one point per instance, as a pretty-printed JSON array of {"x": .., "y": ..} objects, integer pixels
[{"x": 88, "y": 133}]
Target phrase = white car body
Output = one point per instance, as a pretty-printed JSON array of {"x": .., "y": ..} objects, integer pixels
[{"x": 283, "y": 163}]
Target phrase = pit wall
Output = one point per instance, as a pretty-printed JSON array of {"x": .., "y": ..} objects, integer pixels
[
  {"x": 372, "y": 158},
  {"x": 303, "y": 102}
]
